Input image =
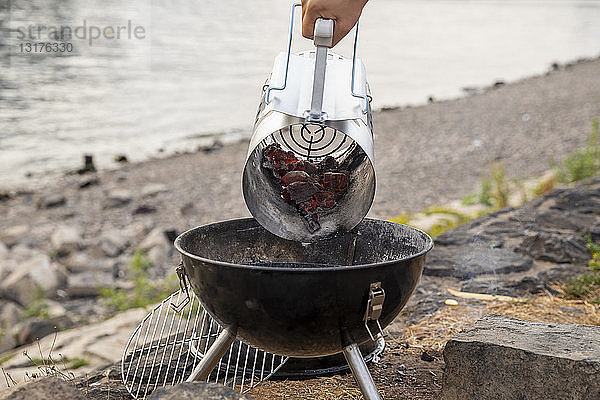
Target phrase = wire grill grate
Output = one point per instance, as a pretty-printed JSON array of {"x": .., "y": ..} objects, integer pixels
[{"x": 167, "y": 345}]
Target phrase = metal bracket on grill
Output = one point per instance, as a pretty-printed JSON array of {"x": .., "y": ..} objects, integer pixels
[
  {"x": 183, "y": 284},
  {"x": 374, "y": 307}
]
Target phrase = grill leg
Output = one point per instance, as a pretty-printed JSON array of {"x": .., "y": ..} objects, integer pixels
[
  {"x": 212, "y": 356},
  {"x": 360, "y": 372}
]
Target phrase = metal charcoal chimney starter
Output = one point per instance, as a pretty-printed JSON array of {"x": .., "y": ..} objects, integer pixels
[{"x": 309, "y": 169}]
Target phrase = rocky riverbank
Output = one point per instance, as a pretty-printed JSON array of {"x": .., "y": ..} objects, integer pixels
[
  {"x": 61, "y": 244},
  {"x": 516, "y": 253}
]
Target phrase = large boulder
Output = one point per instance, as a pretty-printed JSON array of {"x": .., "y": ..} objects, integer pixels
[
  {"x": 504, "y": 358},
  {"x": 45, "y": 388},
  {"x": 197, "y": 390}
]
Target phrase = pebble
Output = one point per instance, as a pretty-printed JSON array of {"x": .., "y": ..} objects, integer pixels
[
  {"x": 117, "y": 198},
  {"x": 82, "y": 261},
  {"x": 51, "y": 200},
  {"x": 86, "y": 284},
  {"x": 31, "y": 330},
  {"x": 152, "y": 189},
  {"x": 66, "y": 239},
  {"x": 12, "y": 235}
]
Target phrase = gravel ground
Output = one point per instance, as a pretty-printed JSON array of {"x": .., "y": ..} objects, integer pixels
[{"x": 425, "y": 155}]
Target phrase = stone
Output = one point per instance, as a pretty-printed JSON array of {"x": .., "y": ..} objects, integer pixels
[
  {"x": 466, "y": 263},
  {"x": 55, "y": 310},
  {"x": 14, "y": 234},
  {"x": 561, "y": 273},
  {"x": 66, "y": 239},
  {"x": 156, "y": 238},
  {"x": 117, "y": 198},
  {"x": 3, "y": 251},
  {"x": 152, "y": 189},
  {"x": 158, "y": 255},
  {"x": 86, "y": 284},
  {"x": 526, "y": 286},
  {"x": 555, "y": 248},
  {"x": 111, "y": 243},
  {"x": 51, "y": 200},
  {"x": 81, "y": 262},
  {"x": 197, "y": 390},
  {"x": 563, "y": 220},
  {"x": 31, "y": 330},
  {"x": 462, "y": 238},
  {"x": 33, "y": 278},
  {"x": 43, "y": 388},
  {"x": 504, "y": 358},
  {"x": 10, "y": 315},
  {"x": 143, "y": 209},
  {"x": 584, "y": 201},
  {"x": 138, "y": 229},
  {"x": 88, "y": 182},
  {"x": 595, "y": 232}
]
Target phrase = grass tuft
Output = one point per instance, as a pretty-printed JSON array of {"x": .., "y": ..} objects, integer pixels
[
  {"x": 587, "y": 285},
  {"x": 145, "y": 291},
  {"x": 584, "y": 163}
]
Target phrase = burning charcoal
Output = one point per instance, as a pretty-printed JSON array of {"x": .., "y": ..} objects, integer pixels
[
  {"x": 296, "y": 176},
  {"x": 309, "y": 204},
  {"x": 337, "y": 182},
  {"x": 311, "y": 221},
  {"x": 267, "y": 151},
  {"x": 300, "y": 192},
  {"x": 278, "y": 160},
  {"x": 325, "y": 198},
  {"x": 307, "y": 167},
  {"x": 328, "y": 164}
]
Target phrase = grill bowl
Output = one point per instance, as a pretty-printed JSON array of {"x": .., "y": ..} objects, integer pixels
[{"x": 301, "y": 300}]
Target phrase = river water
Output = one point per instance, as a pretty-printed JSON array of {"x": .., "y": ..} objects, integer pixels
[{"x": 183, "y": 71}]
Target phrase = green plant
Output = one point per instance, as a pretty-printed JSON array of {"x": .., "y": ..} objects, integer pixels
[
  {"x": 494, "y": 190},
  {"x": 403, "y": 218},
  {"x": 588, "y": 285},
  {"x": 485, "y": 193},
  {"x": 38, "y": 307},
  {"x": 545, "y": 186},
  {"x": 470, "y": 200},
  {"x": 584, "y": 163},
  {"x": 145, "y": 291},
  {"x": 500, "y": 187},
  {"x": 47, "y": 365},
  {"x": 78, "y": 362}
]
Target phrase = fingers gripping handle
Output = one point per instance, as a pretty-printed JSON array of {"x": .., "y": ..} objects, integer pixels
[{"x": 323, "y": 39}]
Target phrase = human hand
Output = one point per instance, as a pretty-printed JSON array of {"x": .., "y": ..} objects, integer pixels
[{"x": 345, "y": 13}]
